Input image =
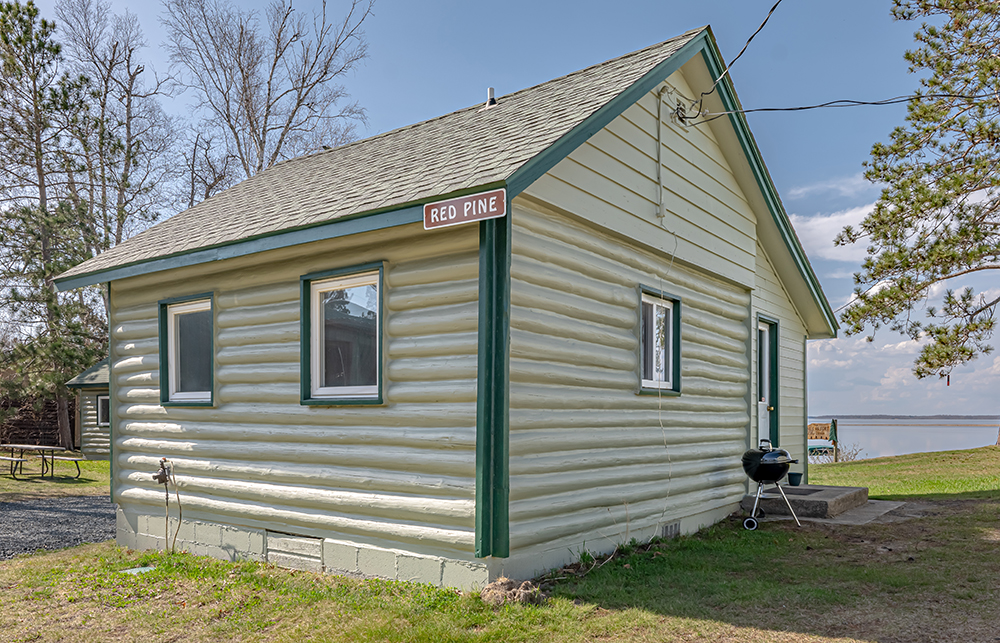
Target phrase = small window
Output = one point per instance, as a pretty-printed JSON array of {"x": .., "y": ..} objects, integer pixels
[
  {"x": 660, "y": 343},
  {"x": 186, "y": 368},
  {"x": 344, "y": 337},
  {"x": 103, "y": 410}
]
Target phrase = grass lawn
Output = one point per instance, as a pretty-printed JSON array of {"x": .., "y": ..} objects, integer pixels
[
  {"x": 93, "y": 481},
  {"x": 930, "y": 578},
  {"x": 944, "y": 475}
]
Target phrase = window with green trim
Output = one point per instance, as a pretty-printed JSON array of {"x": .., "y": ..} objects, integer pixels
[
  {"x": 659, "y": 342},
  {"x": 103, "y": 410},
  {"x": 344, "y": 337},
  {"x": 189, "y": 353}
]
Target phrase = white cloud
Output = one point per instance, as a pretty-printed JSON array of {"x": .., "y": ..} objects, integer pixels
[
  {"x": 817, "y": 232},
  {"x": 847, "y": 187}
]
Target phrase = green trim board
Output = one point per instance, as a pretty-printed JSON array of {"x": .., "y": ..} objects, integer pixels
[
  {"x": 493, "y": 389},
  {"x": 531, "y": 171},
  {"x": 369, "y": 221},
  {"x": 305, "y": 335},
  {"x": 727, "y": 94},
  {"x": 112, "y": 395},
  {"x": 675, "y": 348},
  {"x": 164, "y": 357}
]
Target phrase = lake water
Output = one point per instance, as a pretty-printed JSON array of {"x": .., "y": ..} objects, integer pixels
[{"x": 886, "y": 436}]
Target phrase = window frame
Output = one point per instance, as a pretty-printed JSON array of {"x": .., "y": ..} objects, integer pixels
[
  {"x": 310, "y": 362},
  {"x": 658, "y": 297},
  {"x": 168, "y": 311},
  {"x": 97, "y": 408}
]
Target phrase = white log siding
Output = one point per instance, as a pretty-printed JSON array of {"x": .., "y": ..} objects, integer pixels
[
  {"x": 611, "y": 181},
  {"x": 593, "y": 464},
  {"x": 95, "y": 441},
  {"x": 772, "y": 301},
  {"x": 399, "y": 475}
]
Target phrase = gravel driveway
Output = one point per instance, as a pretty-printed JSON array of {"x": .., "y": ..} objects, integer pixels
[{"x": 54, "y": 523}]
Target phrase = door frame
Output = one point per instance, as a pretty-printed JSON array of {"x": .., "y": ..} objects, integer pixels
[{"x": 774, "y": 372}]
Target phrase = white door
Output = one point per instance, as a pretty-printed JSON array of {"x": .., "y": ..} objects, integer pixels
[{"x": 764, "y": 374}]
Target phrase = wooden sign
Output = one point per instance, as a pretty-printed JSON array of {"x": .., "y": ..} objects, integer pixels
[{"x": 466, "y": 209}]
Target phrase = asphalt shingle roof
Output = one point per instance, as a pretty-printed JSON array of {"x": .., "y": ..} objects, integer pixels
[
  {"x": 96, "y": 375},
  {"x": 461, "y": 150}
]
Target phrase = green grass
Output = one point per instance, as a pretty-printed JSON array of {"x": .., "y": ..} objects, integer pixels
[
  {"x": 926, "y": 578},
  {"x": 93, "y": 480},
  {"x": 974, "y": 473}
]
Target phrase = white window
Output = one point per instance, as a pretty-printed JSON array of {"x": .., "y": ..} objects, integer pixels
[
  {"x": 103, "y": 410},
  {"x": 344, "y": 341},
  {"x": 658, "y": 343},
  {"x": 189, "y": 351}
]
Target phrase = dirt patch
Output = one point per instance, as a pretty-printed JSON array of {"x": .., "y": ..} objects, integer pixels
[{"x": 506, "y": 590}]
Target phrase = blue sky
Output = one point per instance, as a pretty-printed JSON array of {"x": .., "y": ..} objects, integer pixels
[{"x": 432, "y": 57}]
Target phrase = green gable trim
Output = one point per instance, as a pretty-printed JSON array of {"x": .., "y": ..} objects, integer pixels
[
  {"x": 534, "y": 169},
  {"x": 727, "y": 93},
  {"x": 703, "y": 43},
  {"x": 493, "y": 389},
  {"x": 378, "y": 219}
]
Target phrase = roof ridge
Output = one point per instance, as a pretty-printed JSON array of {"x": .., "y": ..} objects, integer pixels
[{"x": 403, "y": 128}]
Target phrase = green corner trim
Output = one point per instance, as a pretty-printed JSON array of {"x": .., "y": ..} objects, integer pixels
[
  {"x": 111, "y": 403},
  {"x": 493, "y": 389},
  {"x": 164, "y": 355},
  {"x": 305, "y": 336}
]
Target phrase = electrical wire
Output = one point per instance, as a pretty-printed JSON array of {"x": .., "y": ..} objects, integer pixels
[
  {"x": 725, "y": 72},
  {"x": 730, "y": 65},
  {"x": 843, "y": 102}
]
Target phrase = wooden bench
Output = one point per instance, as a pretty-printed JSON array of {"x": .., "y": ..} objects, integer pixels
[{"x": 823, "y": 431}]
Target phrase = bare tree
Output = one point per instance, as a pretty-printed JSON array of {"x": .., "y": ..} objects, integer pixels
[
  {"x": 207, "y": 170},
  {"x": 127, "y": 142},
  {"x": 272, "y": 91}
]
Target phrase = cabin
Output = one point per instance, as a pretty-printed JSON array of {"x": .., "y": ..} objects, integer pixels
[
  {"x": 92, "y": 434},
  {"x": 473, "y": 346}
]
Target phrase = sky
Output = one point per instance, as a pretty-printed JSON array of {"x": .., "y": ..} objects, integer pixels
[{"x": 432, "y": 57}]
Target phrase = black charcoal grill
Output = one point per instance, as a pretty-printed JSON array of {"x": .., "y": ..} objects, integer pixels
[{"x": 766, "y": 466}]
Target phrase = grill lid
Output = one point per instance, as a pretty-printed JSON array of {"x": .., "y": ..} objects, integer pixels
[{"x": 777, "y": 456}]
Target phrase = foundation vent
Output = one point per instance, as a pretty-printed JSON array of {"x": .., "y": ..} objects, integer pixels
[{"x": 672, "y": 530}]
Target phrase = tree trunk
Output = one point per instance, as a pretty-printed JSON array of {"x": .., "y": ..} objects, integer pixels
[{"x": 62, "y": 414}]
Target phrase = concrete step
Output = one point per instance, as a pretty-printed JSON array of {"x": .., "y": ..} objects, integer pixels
[{"x": 808, "y": 501}]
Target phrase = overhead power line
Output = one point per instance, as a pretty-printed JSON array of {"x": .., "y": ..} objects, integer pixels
[{"x": 843, "y": 102}]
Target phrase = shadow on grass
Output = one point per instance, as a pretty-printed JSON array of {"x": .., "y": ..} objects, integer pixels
[{"x": 870, "y": 582}]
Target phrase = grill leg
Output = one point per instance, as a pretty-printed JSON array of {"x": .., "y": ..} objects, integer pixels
[
  {"x": 782, "y": 492},
  {"x": 756, "y": 500}
]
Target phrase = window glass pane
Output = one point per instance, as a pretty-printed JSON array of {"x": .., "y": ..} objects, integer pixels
[
  {"x": 659, "y": 344},
  {"x": 350, "y": 336},
  {"x": 103, "y": 410},
  {"x": 194, "y": 351},
  {"x": 647, "y": 341}
]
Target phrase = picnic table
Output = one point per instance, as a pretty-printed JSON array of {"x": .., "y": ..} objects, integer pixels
[{"x": 47, "y": 453}]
